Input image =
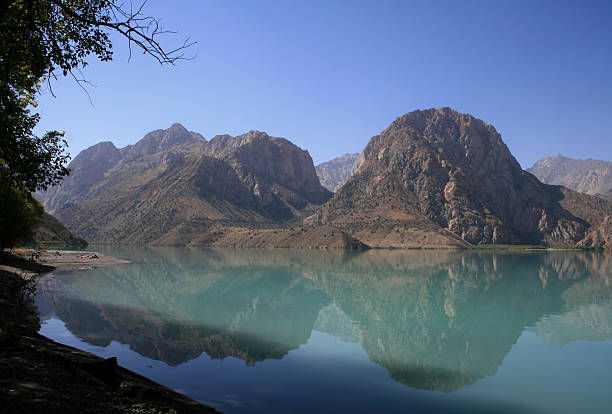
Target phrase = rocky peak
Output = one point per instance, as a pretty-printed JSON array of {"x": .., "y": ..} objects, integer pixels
[
  {"x": 253, "y": 135},
  {"x": 97, "y": 160},
  {"x": 451, "y": 170},
  {"x": 468, "y": 143},
  {"x": 261, "y": 160},
  {"x": 101, "y": 151},
  {"x": 549, "y": 162},
  {"x": 162, "y": 140},
  {"x": 222, "y": 145}
]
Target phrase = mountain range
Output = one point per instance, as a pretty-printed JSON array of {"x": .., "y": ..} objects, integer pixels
[
  {"x": 174, "y": 187},
  {"x": 586, "y": 176},
  {"x": 433, "y": 178}
]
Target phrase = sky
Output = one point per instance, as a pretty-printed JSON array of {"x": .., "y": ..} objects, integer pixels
[{"x": 329, "y": 75}]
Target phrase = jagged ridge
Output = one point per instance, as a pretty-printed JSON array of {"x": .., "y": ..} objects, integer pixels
[{"x": 173, "y": 187}]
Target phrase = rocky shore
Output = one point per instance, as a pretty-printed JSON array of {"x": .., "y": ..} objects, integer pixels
[{"x": 40, "y": 375}]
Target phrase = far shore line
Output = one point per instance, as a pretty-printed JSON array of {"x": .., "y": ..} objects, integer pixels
[{"x": 62, "y": 259}]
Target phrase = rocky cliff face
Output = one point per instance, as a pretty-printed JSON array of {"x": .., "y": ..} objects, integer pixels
[
  {"x": 334, "y": 173},
  {"x": 260, "y": 160},
  {"x": 439, "y": 177},
  {"x": 599, "y": 235},
  {"x": 585, "y": 176},
  {"x": 174, "y": 187},
  {"x": 86, "y": 170}
]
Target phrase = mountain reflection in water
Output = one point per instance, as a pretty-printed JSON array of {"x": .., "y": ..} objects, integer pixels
[{"x": 435, "y": 320}]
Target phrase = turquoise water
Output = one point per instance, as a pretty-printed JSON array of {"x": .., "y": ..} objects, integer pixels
[{"x": 250, "y": 331}]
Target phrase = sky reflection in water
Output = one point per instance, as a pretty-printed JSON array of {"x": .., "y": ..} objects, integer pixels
[{"x": 376, "y": 331}]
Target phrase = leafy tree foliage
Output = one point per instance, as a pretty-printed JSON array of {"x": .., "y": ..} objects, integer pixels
[
  {"x": 37, "y": 38},
  {"x": 21, "y": 215},
  {"x": 40, "y": 39}
]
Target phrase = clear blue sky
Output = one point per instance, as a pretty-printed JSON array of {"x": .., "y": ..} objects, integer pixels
[{"x": 328, "y": 75}]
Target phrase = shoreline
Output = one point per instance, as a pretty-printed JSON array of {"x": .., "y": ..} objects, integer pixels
[
  {"x": 39, "y": 374},
  {"x": 522, "y": 247},
  {"x": 66, "y": 259}
]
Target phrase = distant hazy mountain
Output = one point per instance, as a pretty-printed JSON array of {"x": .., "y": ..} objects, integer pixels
[
  {"x": 440, "y": 178},
  {"x": 334, "y": 173},
  {"x": 174, "y": 187},
  {"x": 586, "y": 176}
]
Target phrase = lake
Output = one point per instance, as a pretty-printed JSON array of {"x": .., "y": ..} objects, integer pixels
[{"x": 389, "y": 331}]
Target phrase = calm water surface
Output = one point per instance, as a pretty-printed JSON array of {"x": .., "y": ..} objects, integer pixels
[{"x": 249, "y": 331}]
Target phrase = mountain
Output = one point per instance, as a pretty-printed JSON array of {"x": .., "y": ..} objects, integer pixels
[
  {"x": 586, "y": 176},
  {"x": 440, "y": 178},
  {"x": 90, "y": 168},
  {"x": 334, "y": 173},
  {"x": 272, "y": 168},
  {"x": 174, "y": 187}
]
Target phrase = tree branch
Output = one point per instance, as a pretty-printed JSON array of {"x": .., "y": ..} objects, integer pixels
[{"x": 143, "y": 31}]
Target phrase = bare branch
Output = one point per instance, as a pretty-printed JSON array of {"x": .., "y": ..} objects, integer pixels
[
  {"x": 50, "y": 74},
  {"x": 80, "y": 81},
  {"x": 144, "y": 31}
]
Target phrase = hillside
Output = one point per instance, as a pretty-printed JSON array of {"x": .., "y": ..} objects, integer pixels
[
  {"x": 585, "y": 176},
  {"x": 440, "y": 178},
  {"x": 334, "y": 173},
  {"x": 51, "y": 232}
]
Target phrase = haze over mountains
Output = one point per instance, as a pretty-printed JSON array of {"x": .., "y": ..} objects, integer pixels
[
  {"x": 586, "y": 176},
  {"x": 434, "y": 178}
]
